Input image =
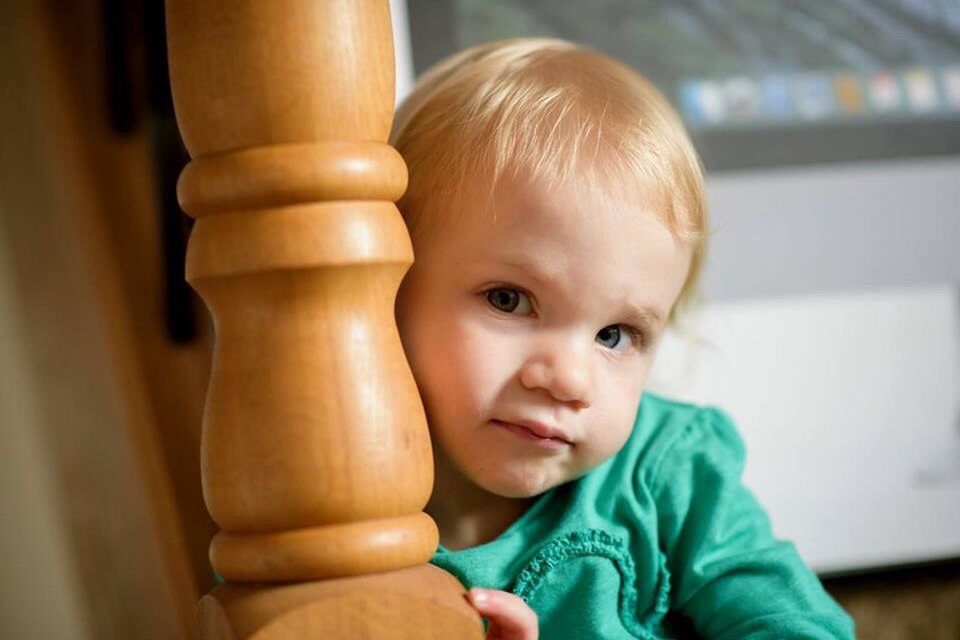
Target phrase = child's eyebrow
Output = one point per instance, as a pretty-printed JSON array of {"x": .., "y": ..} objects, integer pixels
[
  {"x": 532, "y": 269},
  {"x": 645, "y": 316}
]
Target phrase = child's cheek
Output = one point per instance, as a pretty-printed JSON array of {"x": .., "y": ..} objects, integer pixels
[
  {"x": 476, "y": 359},
  {"x": 485, "y": 362}
]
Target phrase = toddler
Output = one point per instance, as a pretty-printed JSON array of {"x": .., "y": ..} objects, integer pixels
[{"x": 557, "y": 213}]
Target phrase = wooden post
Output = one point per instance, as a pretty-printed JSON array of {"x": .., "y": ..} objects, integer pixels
[{"x": 316, "y": 458}]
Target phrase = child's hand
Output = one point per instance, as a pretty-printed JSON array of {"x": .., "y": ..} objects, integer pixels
[{"x": 510, "y": 617}]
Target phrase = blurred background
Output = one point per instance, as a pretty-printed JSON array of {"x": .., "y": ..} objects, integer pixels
[
  {"x": 105, "y": 350},
  {"x": 829, "y": 330}
]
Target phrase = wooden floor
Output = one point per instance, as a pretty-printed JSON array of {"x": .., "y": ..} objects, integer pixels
[{"x": 921, "y": 603}]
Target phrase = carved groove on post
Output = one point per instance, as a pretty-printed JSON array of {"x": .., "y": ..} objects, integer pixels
[
  {"x": 324, "y": 552},
  {"x": 291, "y": 174}
]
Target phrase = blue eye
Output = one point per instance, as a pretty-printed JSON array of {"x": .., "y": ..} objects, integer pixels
[
  {"x": 509, "y": 301},
  {"x": 616, "y": 338}
]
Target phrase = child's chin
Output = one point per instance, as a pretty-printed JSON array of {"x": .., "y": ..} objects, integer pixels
[{"x": 517, "y": 488}]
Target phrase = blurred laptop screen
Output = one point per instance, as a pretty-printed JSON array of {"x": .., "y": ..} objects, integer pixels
[{"x": 757, "y": 83}]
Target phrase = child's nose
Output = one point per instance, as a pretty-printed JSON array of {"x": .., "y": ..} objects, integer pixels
[{"x": 563, "y": 369}]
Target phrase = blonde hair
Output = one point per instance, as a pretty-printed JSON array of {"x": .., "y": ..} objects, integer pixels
[{"x": 552, "y": 111}]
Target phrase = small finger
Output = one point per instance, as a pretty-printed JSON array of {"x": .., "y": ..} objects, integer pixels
[{"x": 510, "y": 617}]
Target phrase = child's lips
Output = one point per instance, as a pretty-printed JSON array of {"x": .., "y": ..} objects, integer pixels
[{"x": 537, "y": 432}]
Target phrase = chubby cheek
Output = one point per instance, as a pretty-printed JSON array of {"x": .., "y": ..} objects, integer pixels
[
  {"x": 458, "y": 371},
  {"x": 475, "y": 370},
  {"x": 613, "y": 420}
]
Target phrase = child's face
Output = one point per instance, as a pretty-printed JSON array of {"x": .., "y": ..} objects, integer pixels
[{"x": 530, "y": 330}]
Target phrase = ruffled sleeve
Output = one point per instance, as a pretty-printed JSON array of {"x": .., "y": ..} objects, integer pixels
[{"x": 731, "y": 577}]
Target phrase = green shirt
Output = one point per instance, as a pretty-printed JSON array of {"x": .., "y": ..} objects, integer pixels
[{"x": 663, "y": 526}]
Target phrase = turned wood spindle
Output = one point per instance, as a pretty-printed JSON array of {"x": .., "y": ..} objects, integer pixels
[{"x": 316, "y": 458}]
